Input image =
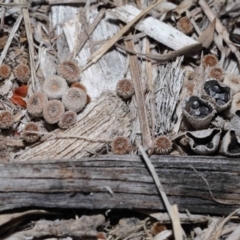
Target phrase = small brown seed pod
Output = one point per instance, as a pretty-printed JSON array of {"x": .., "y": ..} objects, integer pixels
[
  {"x": 36, "y": 103},
  {"x": 22, "y": 72},
  {"x": 67, "y": 120},
  {"x": 184, "y": 25},
  {"x": 209, "y": 61},
  {"x": 5, "y": 71},
  {"x": 6, "y": 119},
  {"x": 53, "y": 111},
  {"x": 120, "y": 145},
  {"x": 74, "y": 99},
  {"x": 125, "y": 88},
  {"x": 54, "y": 87},
  {"x": 30, "y": 137},
  {"x": 69, "y": 70},
  {"x": 163, "y": 145}
]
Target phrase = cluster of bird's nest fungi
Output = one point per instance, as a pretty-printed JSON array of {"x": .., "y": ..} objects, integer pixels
[
  {"x": 213, "y": 117},
  {"x": 211, "y": 121}
]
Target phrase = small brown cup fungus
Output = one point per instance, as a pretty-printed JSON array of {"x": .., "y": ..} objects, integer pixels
[
  {"x": 22, "y": 72},
  {"x": 28, "y": 136},
  {"x": 198, "y": 112},
  {"x": 216, "y": 73},
  {"x": 67, "y": 120},
  {"x": 36, "y": 103},
  {"x": 69, "y": 70},
  {"x": 125, "y": 88},
  {"x": 5, "y": 71},
  {"x": 162, "y": 145},
  {"x": 209, "y": 61},
  {"x": 120, "y": 145},
  {"x": 53, "y": 111},
  {"x": 6, "y": 119},
  {"x": 74, "y": 99},
  {"x": 185, "y": 25},
  {"x": 54, "y": 87}
]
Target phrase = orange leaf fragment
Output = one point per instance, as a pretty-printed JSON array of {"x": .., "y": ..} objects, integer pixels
[
  {"x": 21, "y": 91},
  {"x": 16, "y": 99}
]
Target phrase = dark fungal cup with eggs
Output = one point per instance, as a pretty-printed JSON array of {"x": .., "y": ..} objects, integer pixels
[
  {"x": 198, "y": 112},
  {"x": 198, "y": 109},
  {"x": 218, "y": 94}
]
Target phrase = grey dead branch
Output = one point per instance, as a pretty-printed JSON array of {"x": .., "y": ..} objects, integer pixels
[{"x": 126, "y": 40}]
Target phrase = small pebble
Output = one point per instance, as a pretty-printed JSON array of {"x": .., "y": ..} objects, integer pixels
[{"x": 195, "y": 104}]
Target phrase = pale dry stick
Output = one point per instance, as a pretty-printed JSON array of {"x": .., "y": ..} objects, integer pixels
[
  {"x": 12, "y": 142},
  {"x": 220, "y": 227},
  {"x": 28, "y": 29},
  {"x": 150, "y": 89},
  {"x": 54, "y": 2},
  {"x": 13, "y": 5},
  {"x": 101, "y": 51},
  {"x": 84, "y": 36},
  {"x": 141, "y": 107},
  {"x": 70, "y": 136},
  {"x": 161, "y": 191},
  {"x": 219, "y": 28},
  {"x": 10, "y": 38},
  {"x": 177, "y": 230}
]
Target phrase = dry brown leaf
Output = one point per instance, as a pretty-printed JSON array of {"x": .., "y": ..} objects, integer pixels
[
  {"x": 183, "y": 6},
  {"x": 207, "y": 35}
]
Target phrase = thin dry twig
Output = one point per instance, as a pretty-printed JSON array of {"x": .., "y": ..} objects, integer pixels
[
  {"x": 142, "y": 111},
  {"x": 211, "y": 194},
  {"x": 70, "y": 136},
  {"x": 172, "y": 215},
  {"x": 10, "y": 38},
  {"x": 101, "y": 51},
  {"x": 27, "y": 24},
  {"x": 220, "y": 227},
  {"x": 177, "y": 230}
]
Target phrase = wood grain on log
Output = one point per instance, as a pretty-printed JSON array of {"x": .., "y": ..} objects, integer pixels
[{"x": 112, "y": 181}]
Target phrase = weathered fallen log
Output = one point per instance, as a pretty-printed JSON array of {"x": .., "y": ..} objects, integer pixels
[{"x": 111, "y": 181}]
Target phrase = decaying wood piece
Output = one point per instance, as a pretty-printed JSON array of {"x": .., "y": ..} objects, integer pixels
[
  {"x": 167, "y": 85},
  {"x": 112, "y": 181},
  {"x": 104, "y": 118},
  {"x": 154, "y": 28},
  {"x": 84, "y": 227}
]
